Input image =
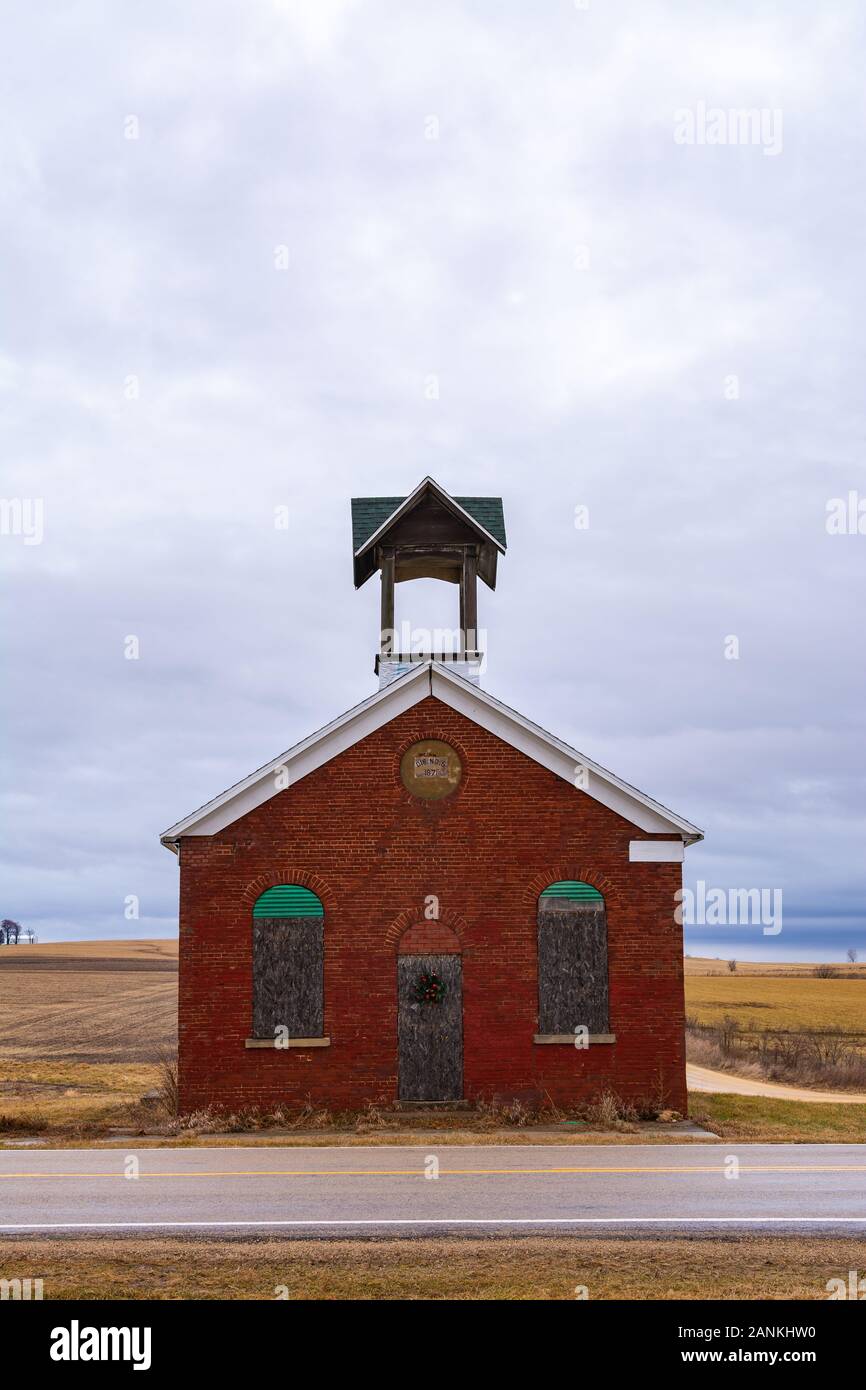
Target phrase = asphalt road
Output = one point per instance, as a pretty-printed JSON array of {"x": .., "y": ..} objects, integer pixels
[{"x": 805, "y": 1187}]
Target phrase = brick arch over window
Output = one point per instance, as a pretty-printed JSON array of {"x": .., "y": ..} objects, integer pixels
[
  {"x": 414, "y": 922},
  {"x": 572, "y": 958},
  {"x": 570, "y": 873},
  {"x": 288, "y": 962},
  {"x": 429, "y": 939},
  {"x": 289, "y": 874}
]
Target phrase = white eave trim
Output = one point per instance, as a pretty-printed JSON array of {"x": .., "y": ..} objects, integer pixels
[
  {"x": 406, "y": 504},
  {"x": 431, "y": 678},
  {"x": 656, "y": 851}
]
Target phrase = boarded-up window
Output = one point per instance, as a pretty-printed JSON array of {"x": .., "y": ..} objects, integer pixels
[
  {"x": 288, "y": 958},
  {"x": 572, "y": 959}
]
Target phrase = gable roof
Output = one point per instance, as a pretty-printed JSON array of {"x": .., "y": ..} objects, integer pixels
[
  {"x": 373, "y": 517},
  {"x": 370, "y": 513},
  {"x": 431, "y": 678}
]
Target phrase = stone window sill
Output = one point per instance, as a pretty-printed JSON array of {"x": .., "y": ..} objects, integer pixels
[
  {"x": 280, "y": 1044},
  {"x": 570, "y": 1038}
]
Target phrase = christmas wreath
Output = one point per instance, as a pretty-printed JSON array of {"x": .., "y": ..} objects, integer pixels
[{"x": 429, "y": 989}]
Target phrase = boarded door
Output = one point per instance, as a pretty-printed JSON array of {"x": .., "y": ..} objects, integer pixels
[{"x": 430, "y": 1035}]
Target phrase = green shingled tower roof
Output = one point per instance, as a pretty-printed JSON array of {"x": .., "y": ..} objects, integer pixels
[{"x": 369, "y": 513}]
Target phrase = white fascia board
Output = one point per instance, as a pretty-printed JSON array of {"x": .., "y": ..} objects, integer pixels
[
  {"x": 633, "y": 805},
  {"x": 406, "y": 504},
  {"x": 656, "y": 851},
  {"x": 306, "y": 756}
]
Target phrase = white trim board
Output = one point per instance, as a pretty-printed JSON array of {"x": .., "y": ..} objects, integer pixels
[
  {"x": 432, "y": 678},
  {"x": 656, "y": 851}
]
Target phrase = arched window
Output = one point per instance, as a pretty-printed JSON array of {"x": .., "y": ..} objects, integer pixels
[
  {"x": 288, "y": 957},
  {"x": 572, "y": 959}
]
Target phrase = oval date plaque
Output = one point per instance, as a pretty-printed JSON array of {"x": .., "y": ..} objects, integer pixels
[{"x": 430, "y": 769}]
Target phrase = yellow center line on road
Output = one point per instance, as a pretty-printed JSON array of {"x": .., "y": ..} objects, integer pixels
[{"x": 458, "y": 1172}]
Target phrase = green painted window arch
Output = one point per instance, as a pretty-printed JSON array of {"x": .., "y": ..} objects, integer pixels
[
  {"x": 288, "y": 900},
  {"x": 574, "y": 890}
]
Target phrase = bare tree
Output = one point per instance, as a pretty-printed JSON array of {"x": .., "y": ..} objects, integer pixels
[
  {"x": 10, "y": 932},
  {"x": 732, "y": 966},
  {"x": 852, "y": 954}
]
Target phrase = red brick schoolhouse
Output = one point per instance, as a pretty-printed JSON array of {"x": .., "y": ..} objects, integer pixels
[{"x": 431, "y": 899}]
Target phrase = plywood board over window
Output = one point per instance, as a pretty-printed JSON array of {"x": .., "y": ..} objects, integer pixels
[
  {"x": 288, "y": 958},
  {"x": 572, "y": 960}
]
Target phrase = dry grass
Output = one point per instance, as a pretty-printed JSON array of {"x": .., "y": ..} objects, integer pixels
[
  {"x": 167, "y": 1085},
  {"x": 796, "y": 1001},
  {"x": 819, "y": 1061},
  {"x": 90, "y": 1117},
  {"x": 607, "y": 1113},
  {"x": 88, "y": 1101},
  {"x": 73, "y": 1098},
  {"x": 531, "y": 1267}
]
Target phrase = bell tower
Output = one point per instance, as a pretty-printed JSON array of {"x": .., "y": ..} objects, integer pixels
[{"x": 428, "y": 535}]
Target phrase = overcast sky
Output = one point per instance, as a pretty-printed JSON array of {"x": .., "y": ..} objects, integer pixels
[{"x": 260, "y": 255}]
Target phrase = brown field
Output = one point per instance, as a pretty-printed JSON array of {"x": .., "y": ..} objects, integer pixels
[
  {"x": 531, "y": 1267},
  {"x": 88, "y": 1001},
  {"x": 708, "y": 965},
  {"x": 159, "y": 954},
  {"x": 82, "y": 1025},
  {"x": 795, "y": 1001}
]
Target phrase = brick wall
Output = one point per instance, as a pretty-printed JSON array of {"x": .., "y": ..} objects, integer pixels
[{"x": 374, "y": 854}]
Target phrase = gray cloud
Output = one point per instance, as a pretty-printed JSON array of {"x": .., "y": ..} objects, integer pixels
[{"x": 304, "y": 125}]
